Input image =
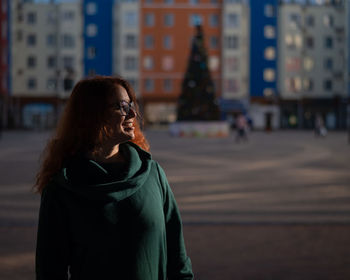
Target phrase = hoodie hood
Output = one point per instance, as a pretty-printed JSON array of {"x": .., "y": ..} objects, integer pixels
[{"x": 88, "y": 178}]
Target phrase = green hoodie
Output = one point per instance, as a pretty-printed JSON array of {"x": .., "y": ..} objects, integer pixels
[{"x": 98, "y": 224}]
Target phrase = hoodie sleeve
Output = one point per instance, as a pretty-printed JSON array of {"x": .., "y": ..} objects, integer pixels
[
  {"x": 179, "y": 264},
  {"x": 52, "y": 241}
]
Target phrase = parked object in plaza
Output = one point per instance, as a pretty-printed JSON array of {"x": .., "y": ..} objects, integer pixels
[{"x": 107, "y": 210}]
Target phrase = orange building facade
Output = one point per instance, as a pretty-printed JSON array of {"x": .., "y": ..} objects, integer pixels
[{"x": 167, "y": 28}]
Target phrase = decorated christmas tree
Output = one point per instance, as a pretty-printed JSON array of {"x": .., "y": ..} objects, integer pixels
[{"x": 197, "y": 99}]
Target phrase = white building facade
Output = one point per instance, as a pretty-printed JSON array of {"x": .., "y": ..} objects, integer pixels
[
  {"x": 313, "y": 64},
  {"x": 235, "y": 51},
  {"x": 126, "y": 44},
  {"x": 46, "y": 59}
]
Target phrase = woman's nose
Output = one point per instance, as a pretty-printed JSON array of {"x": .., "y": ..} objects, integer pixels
[{"x": 131, "y": 114}]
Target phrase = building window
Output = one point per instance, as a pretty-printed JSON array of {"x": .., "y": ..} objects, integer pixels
[
  {"x": 51, "y": 62},
  {"x": 213, "y": 42},
  {"x": 309, "y": 41},
  {"x": 31, "y": 18},
  {"x": 51, "y": 84},
  {"x": 149, "y": 85},
  {"x": 270, "y": 53},
  {"x": 68, "y": 41},
  {"x": 51, "y": 40},
  {"x": 294, "y": 20},
  {"x": 31, "y": 61},
  {"x": 308, "y": 84},
  {"x": 91, "y": 30},
  {"x": 293, "y": 42},
  {"x": 91, "y": 52},
  {"x": 268, "y": 92},
  {"x": 214, "y": 20},
  {"x": 195, "y": 20},
  {"x": 31, "y": 83},
  {"x": 91, "y": 8},
  {"x": 232, "y": 20},
  {"x": 68, "y": 15},
  {"x": 328, "y": 63},
  {"x": 328, "y": 42},
  {"x": 167, "y": 85},
  {"x": 167, "y": 63},
  {"x": 269, "y": 32},
  {"x": 167, "y": 42},
  {"x": 149, "y": 41},
  {"x": 169, "y": 2},
  {"x": 68, "y": 62},
  {"x": 31, "y": 40},
  {"x": 149, "y": 19},
  {"x": 214, "y": 63},
  {"x": 231, "y": 42},
  {"x": 310, "y": 20},
  {"x": 130, "y": 41},
  {"x": 130, "y": 19},
  {"x": 308, "y": 63},
  {"x": 130, "y": 63},
  {"x": 293, "y": 64},
  {"x": 51, "y": 17},
  {"x": 327, "y": 84},
  {"x": 148, "y": 62},
  {"x": 231, "y": 85},
  {"x": 269, "y": 75},
  {"x": 328, "y": 20},
  {"x": 194, "y": 2},
  {"x": 19, "y": 35},
  {"x": 132, "y": 82},
  {"x": 232, "y": 64},
  {"x": 293, "y": 84},
  {"x": 169, "y": 20},
  {"x": 269, "y": 10}
]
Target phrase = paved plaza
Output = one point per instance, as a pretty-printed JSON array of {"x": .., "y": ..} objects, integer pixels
[{"x": 275, "y": 207}]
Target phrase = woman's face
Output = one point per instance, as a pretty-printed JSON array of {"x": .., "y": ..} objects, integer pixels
[{"x": 121, "y": 122}]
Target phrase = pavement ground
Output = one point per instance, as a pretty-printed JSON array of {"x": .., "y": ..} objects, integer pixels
[{"x": 275, "y": 207}]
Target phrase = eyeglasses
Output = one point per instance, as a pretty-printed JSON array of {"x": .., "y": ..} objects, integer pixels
[{"x": 124, "y": 107}]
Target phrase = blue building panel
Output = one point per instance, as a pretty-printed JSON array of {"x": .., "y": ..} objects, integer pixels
[
  {"x": 9, "y": 49},
  {"x": 102, "y": 42},
  {"x": 262, "y": 13}
]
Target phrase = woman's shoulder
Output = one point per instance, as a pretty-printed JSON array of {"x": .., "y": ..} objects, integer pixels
[{"x": 55, "y": 185}]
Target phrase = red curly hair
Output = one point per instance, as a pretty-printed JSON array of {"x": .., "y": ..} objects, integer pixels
[{"x": 82, "y": 126}]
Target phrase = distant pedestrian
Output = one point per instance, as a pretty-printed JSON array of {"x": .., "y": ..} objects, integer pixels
[
  {"x": 320, "y": 129},
  {"x": 107, "y": 210},
  {"x": 242, "y": 127}
]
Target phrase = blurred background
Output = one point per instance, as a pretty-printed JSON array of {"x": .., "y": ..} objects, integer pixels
[
  {"x": 273, "y": 203},
  {"x": 280, "y": 62}
]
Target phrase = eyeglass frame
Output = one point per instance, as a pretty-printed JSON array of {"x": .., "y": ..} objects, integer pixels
[{"x": 124, "y": 107}]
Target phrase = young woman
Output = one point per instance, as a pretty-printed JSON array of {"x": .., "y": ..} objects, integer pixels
[{"x": 107, "y": 211}]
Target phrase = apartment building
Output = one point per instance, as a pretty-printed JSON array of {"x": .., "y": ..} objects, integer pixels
[
  {"x": 46, "y": 59},
  {"x": 4, "y": 67},
  {"x": 234, "y": 47},
  {"x": 313, "y": 63},
  {"x": 126, "y": 42},
  {"x": 167, "y": 28}
]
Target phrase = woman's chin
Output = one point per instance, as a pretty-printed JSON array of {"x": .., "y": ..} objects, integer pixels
[{"x": 130, "y": 131}]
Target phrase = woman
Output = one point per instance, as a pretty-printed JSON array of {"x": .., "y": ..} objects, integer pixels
[{"x": 107, "y": 211}]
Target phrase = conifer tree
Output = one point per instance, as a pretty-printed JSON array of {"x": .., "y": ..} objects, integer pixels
[{"x": 197, "y": 99}]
